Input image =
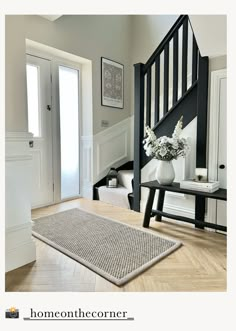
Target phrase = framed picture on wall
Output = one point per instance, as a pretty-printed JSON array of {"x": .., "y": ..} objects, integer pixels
[{"x": 112, "y": 82}]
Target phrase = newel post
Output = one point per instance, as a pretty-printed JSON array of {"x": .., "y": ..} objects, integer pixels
[
  {"x": 202, "y": 107},
  {"x": 138, "y": 130}
]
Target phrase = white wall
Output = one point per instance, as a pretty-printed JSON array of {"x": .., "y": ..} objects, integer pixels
[
  {"x": 87, "y": 36},
  {"x": 148, "y": 31},
  {"x": 217, "y": 63},
  {"x": 211, "y": 34}
]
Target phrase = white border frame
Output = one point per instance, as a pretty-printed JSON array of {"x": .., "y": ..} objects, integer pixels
[{"x": 216, "y": 77}]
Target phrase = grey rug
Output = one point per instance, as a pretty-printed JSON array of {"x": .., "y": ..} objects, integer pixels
[{"x": 116, "y": 251}]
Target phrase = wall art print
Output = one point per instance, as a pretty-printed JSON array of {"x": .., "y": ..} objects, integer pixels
[{"x": 112, "y": 83}]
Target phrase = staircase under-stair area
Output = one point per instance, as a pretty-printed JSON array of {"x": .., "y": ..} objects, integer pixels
[
  {"x": 118, "y": 196},
  {"x": 122, "y": 196}
]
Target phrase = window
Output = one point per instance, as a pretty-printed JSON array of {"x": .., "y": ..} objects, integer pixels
[{"x": 32, "y": 75}]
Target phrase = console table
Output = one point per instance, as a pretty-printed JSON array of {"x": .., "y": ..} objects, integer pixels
[{"x": 220, "y": 194}]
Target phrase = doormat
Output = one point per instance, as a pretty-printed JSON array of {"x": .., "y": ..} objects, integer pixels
[{"x": 115, "y": 251}]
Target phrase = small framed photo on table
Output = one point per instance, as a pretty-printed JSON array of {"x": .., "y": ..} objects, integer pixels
[
  {"x": 112, "y": 81},
  {"x": 201, "y": 174}
]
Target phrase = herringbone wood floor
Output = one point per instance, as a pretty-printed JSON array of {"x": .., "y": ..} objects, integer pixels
[{"x": 199, "y": 265}]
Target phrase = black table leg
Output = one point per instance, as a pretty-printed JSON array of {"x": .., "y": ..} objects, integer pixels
[
  {"x": 160, "y": 203},
  {"x": 148, "y": 209},
  {"x": 199, "y": 210}
]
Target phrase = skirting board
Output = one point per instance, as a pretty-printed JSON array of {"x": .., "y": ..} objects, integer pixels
[
  {"x": 20, "y": 248},
  {"x": 186, "y": 212},
  {"x": 189, "y": 213},
  {"x": 180, "y": 211},
  {"x": 87, "y": 191}
]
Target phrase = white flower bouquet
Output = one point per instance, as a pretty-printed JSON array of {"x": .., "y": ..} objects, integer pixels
[{"x": 166, "y": 148}]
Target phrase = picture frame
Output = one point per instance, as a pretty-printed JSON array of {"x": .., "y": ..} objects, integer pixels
[
  {"x": 112, "y": 83},
  {"x": 201, "y": 175}
]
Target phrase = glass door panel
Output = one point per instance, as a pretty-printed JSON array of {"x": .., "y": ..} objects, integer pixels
[{"x": 69, "y": 131}]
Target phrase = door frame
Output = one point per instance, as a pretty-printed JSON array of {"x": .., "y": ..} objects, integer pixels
[
  {"x": 213, "y": 141},
  {"x": 56, "y": 61}
]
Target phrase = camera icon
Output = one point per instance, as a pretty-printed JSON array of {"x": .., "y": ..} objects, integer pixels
[{"x": 12, "y": 313}]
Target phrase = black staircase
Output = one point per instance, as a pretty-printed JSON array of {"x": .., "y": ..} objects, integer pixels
[{"x": 159, "y": 103}]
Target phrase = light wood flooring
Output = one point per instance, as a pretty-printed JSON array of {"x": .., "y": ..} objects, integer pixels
[{"x": 199, "y": 265}]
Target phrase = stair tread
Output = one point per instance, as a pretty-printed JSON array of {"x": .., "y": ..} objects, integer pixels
[
  {"x": 120, "y": 189},
  {"x": 115, "y": 196},
  {"x": 125, "y": 178}
]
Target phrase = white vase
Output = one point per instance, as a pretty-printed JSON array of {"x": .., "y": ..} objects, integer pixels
[{"x": 165, "y": 173}]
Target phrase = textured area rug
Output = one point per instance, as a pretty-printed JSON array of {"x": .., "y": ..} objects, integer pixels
[{"x": 114, "y": 250}]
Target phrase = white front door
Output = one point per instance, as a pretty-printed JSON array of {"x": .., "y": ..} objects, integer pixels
[
  {"x": 222, "y": 151},
  {"x": 40, "y": 124}
]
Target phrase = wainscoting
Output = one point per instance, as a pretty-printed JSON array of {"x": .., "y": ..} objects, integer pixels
[
  {"x": 112, "y": 147},
  {"x": 20, "y": 249}
]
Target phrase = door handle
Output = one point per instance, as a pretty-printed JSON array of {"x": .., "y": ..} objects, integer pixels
[
  {"x": 222, "y": 166},
  {"x": 31, "y": 144}
]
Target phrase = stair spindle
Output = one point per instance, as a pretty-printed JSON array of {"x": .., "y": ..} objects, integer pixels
[
  {"x": 194, "y": 60},
  {"x": 157, "y": 89},
  {"x": 149, "y": 96},
  {"x": 166, "y": 78},
  {"x": 175, "y": 66},
  {"x": 185, "y": 57}
]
